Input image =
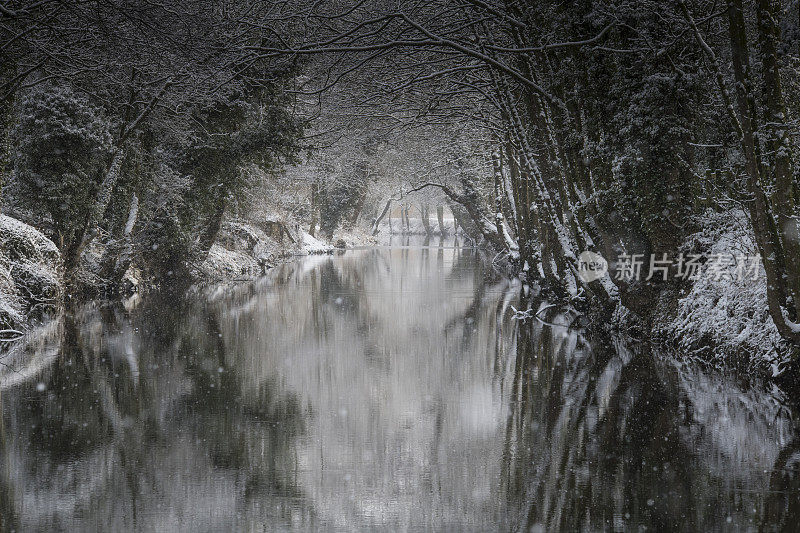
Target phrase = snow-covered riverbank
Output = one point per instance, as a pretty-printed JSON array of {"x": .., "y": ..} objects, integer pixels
[
  {"x": 719, "y": 321},
  {"x": 725, "y": 321},
  {"x": 245, "y": 250},
  {"x": 30, "y": 277}
]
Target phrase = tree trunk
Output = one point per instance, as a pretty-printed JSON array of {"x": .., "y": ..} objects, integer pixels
[
  {"x": 118, "y": 252},
  {"x": 779, "y": 145},
  {"x": 498, "y": 197},
  {"x": 386, "y": 210},
  {"x": 72, "y": 253},
  {"x": 425, "y": 213},
  {"x": 357, "y": 208},
  {"x": 362, "y": 175},
  {"x": 764, "y": 226},
  {"x": 123, "y": 262},
  {"x": 312, "y": 229},
  {"x": 440, "y": 219},
  {"x": 209, "y": 234}
]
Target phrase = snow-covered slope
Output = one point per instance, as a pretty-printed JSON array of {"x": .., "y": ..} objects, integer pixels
[
  {"x": 725, "y": 320},
  {"x": 244, "y": 250},
  {"x": 30, "y": 282},
  {"x": 312, "y": 245}
]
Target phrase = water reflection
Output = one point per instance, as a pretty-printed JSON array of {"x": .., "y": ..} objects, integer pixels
[
  {"x": 384, "y": 389},
  {"x": 614, "y": 438}
]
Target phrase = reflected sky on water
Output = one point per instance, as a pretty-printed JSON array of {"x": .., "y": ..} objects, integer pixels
[{"x": 379, "y": 389}]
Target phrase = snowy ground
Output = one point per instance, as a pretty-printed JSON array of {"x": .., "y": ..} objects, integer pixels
[{"x": 312, "y": 245}]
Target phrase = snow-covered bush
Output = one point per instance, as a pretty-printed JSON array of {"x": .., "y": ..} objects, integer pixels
[{"x": 30, "y": 283}]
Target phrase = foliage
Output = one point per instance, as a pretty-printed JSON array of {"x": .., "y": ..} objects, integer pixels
[{"x": 62, "y": 144}]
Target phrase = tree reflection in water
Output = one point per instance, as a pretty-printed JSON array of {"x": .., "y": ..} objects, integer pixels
[
  {"x": 614, "y": 436},
  {"x": 381, "y": 389},
  {"x": 142, "y": 423}
]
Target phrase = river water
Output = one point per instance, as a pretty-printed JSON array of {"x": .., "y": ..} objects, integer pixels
[{"x": 380, "y": 389}]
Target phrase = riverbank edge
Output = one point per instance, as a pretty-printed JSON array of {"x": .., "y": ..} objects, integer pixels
[
  {"x": 31, "y": 279},
  {"x": 718, "y": 323},
  {"x": 722, "y": 322}
]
